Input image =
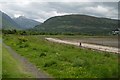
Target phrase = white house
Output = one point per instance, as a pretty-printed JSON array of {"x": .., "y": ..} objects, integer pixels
[{"x": 116, "y": 31}]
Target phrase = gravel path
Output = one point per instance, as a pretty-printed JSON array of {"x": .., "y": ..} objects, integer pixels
[
  {"x": 28, "y": 66},
  {"x": 86, "y": 45}
]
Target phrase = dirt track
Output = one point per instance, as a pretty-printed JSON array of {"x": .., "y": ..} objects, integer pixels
[
  {"x": 29, "y": 67},
  {"x": 86, "y": 45}
]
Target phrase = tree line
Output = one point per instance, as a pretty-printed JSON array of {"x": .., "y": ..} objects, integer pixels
[{"x": 29, "y": 32}]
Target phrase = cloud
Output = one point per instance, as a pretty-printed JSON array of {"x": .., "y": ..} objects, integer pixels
[
  {"x": 41, "y": 11},
  {"x": 98, "y": 9},
  {"x": 59, "y": 1},
  {"x": 17, "y": 15}
]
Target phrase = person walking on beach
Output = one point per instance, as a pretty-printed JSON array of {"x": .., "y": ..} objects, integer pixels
[{"x": 80, "y": 44}]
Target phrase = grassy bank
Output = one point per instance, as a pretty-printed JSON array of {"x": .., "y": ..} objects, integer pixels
[
  {"x": 0, "y": 56},
  {"x": 64, "y": 61},
  {"x": 12, "y": 68}
]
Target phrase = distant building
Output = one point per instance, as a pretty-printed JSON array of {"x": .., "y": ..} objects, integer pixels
[{"x": 116, "y": 31}]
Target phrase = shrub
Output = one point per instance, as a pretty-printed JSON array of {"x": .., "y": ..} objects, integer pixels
[
  {"x": 22, "y": 39},
  {"x": 107, "y": 55},
  {"x": 43, "y": 54},
  {"x": 49, "y": 63},
  {"x": 22, "y": 42},
  {"x": 34, "y": 48},
  {"x": 24, "y": 45}
]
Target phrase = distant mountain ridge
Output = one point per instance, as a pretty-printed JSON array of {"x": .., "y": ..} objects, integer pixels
[
  {"x": 19, "y": 23},
  {"x": 26, "y": 23},
  {"x": 8, "y": 22},
  {"x": 83, "y": 24}
]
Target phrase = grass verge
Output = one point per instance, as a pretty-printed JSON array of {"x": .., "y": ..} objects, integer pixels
[
  {"x": 64, "y": 61},
  {"x": 12, "y": 68},
  {"x": 0, "y": 57}
]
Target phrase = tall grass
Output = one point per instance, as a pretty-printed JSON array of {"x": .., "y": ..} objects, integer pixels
[
  {"x": 65, "y": 61},
  {"x": 0, "y": 57}
]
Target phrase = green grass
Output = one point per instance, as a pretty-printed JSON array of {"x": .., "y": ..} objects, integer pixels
[
  {"x": 0, "y": 57},
  {"x": 64, "y": 61},
  {"x": 12, "y": 68}
]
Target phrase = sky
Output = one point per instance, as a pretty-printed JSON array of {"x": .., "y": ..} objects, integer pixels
[{"x": 41, "y": 10}]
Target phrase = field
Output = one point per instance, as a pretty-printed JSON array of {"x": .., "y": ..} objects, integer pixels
[
  {"x": 0, "y": 56},
  {"x": 11, "y": 68},
  {"x": 64, "y": 61}
]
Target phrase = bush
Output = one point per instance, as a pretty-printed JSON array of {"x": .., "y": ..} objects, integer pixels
[
  {"x": 34, "y": 48},
  {"x": 49, "y": 63},
  {"x": 24, "y": 45},
  {"x": 43, "y": 54},
  {"x": 107, "y": 54},
  {"x": 22, "y": 39}
]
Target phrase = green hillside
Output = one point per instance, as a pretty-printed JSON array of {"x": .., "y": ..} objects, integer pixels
[
  {"x": 82, "y": 24},
  {"x": 8, "y": 23}
]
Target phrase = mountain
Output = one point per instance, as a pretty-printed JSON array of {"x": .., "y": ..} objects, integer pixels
[
  {"x": 8, "y": 22},
  {"x": 26, "y": 23},
  {"x": 82, "y": 24}
]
